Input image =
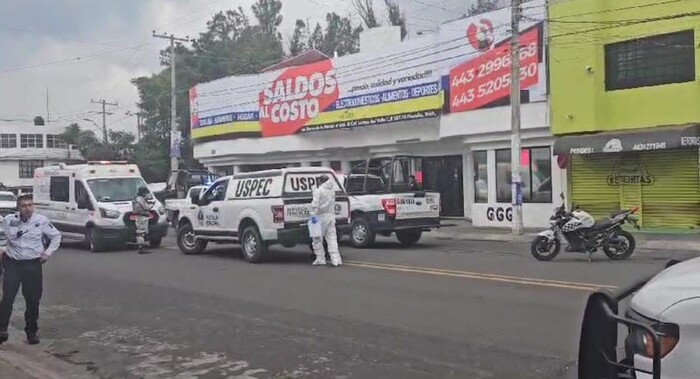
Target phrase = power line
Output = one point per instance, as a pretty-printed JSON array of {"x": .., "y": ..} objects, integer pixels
[{"x": 76, "y": 59}]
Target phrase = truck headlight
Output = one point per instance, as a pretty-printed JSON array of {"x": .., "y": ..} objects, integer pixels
[
  {"x": 161, "y": 210},
  {"x": 109, "y": 213}
]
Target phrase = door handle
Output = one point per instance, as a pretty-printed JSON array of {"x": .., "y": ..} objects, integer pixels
[
  {"x": 67, "y": 208},
  {"x": 216, "y": 209}
]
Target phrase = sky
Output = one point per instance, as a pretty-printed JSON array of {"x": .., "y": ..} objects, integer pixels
[{"x": 84, "y": 50}]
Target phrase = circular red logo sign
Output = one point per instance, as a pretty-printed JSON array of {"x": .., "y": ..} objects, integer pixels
[{"x": 480, "y": 35}]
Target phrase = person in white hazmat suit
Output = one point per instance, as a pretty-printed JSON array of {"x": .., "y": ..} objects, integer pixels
[{"x": 323, "y": 209}]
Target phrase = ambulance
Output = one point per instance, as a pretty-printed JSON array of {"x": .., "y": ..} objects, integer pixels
[{"x": 92, "y": 203}]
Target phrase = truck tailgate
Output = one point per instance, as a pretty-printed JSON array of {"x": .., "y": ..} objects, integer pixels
[{"x": 418, "y": 205}]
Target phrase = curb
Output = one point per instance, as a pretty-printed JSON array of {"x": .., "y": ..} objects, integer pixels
[
  {"x": 35, "y": 362},
  {"x": 691, "y": 246}
]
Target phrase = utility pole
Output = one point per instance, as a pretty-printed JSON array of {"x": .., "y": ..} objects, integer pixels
[
  {"x": 516, "y": 177},
  {"x": 104, "y": 112},
  {"x": 174, "y": 132},
  {"x": 138, "y": 123}
]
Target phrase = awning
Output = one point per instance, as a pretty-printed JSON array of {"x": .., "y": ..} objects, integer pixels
[{"x": 659, "y": 138}]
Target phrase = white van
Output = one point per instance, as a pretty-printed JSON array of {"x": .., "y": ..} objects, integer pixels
[{"x": 92, "y": 202}]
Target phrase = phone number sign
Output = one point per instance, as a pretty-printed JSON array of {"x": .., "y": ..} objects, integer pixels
[{"x": 487, "y": 78}]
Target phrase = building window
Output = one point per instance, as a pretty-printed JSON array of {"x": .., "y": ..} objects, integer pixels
[
  {"x": 8, "y": 141},
  {"x": 31, "y": 140},
  {"x": 536, "y": 172},
  {"x": 651, "y": 61},
  {"x": 26, "y": 168},
  {"x": 55, "y": 141},
  {"x": 316, "y": 164},
  {"x": 59, "y": 189},
  {"x": 481, "y": 179}
]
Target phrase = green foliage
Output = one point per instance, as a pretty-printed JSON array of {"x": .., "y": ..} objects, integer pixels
[
  {"x": 119, "y": 147},
  {"x": 230, "y": 45},
  {"x": 482, "y": 6},
  {"x": 396, "y": 16}
]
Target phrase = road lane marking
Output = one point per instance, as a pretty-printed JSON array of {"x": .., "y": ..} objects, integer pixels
[
  {"x": 483, "y": 276},
  {"x": 588, "y": 287}
]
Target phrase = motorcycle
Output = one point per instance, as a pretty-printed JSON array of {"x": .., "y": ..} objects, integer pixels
[{"x": 617, "y": 244}]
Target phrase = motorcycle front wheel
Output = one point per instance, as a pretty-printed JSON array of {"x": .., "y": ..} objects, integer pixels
[
  {"x": 543, "y": 249},
  {"x": 620, "y": 246}
]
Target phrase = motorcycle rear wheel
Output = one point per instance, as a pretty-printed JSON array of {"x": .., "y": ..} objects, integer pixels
[
  {"x": 545, "y": 250},
  {"x": 616, "y": 255}
]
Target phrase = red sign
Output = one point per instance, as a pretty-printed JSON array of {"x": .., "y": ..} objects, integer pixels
[
  {"x": 297, "y": 96},
  {"x": 486, "y": 78},
  {"x": 194, "y": 108}
]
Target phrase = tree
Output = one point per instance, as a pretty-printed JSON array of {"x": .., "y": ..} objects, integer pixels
[
  {"x": 396, "y": 17},
  {"x": 482, "y": 6},
  {"x": 230, "y": 45},
  {"x": 298, "y": 42},
  {"x": 339, "y": 36},
  {"x": 91, "y": 148},
  {"x": 316, "y": 38},
  {"x": 365, "y": 9},
  {"x": 269, "y": 17}
]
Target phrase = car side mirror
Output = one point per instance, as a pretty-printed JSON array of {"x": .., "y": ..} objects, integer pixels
[
  {"x": 561, "y": 195},
  {"x": 194, "y": 198}
]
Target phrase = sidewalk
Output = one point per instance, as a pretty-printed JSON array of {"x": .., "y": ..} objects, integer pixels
[
  {"x": 18, "y": 360},
  {"x": 658, "y": 240}
]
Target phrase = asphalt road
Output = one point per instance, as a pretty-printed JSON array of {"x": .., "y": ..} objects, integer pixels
[{"x": 444, "y": 309}]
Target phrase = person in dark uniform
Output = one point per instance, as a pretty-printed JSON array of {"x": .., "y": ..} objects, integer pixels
[{"x": 23, "y": 247}]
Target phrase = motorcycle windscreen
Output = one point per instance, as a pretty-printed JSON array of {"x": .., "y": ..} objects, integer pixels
[{"x": 598, "y": 341}]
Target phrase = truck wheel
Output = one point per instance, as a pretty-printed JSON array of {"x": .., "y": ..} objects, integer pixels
[
  {"x": 187, "y": 242},
  {"x": 93, "y": 242},
  {"x": 253, "y": 247},
  {"x": 361, "y": 235},
  {"x": 409, "y": 237}
]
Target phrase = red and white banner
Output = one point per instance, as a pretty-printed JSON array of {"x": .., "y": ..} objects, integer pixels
[{"x": 487, "y": 78}]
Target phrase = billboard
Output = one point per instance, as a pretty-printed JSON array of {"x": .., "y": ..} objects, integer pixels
[
  {"x": 351, "y": 91},
  {"x": 467, "y": 64},
  {"x": 477, "y": 54}
]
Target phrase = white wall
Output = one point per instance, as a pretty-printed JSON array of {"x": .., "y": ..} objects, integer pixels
[{"x": 9, "y": 173}]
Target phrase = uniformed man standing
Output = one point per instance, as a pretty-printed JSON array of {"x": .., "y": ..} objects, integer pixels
[{"x": 22, "y": 256}]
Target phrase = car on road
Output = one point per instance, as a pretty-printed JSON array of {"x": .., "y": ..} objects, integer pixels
[
  {"x": 662, "y": 339},
  {"x": 173, "y": 207},
  {"x": 8, "y": 203},
  {"x": 256, "y": 210}
]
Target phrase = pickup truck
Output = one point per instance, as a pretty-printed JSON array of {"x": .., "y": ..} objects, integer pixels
[
  {"x": 173, "y": 207},
  {"x": 385, "y": 203}
]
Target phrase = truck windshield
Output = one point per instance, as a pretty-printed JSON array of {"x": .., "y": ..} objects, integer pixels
[
  {"x": 115, "y": 189},
  {"x": 7, "y": 197}
]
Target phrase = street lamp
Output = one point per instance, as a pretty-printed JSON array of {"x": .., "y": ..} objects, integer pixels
[{"x": 103, "y": 130}]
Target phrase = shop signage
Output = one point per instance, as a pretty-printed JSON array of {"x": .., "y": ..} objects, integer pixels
[
  {"x": 639, "y": 174},
  {"x": 487, "y": 77},
  {"x": 351, "y": 91},
  {"x": 690, "y": 141},
  {"x": 402, "y": 82},
  {"x": 660, "y": 138},
  {"x": 499, "y": 214}
]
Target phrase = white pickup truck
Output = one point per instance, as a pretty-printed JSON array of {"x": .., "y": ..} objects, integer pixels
[
  {"x": 173, "y": 207},
  {"x": 386, "y": 199},
  {"x": 256, "y": 210}
]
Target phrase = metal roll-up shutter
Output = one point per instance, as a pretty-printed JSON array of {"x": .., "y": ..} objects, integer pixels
[
  {"x": 673, "y": 200},
  {"x": 589, "y": 185},
  {"x": 664, "y": 184}
]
